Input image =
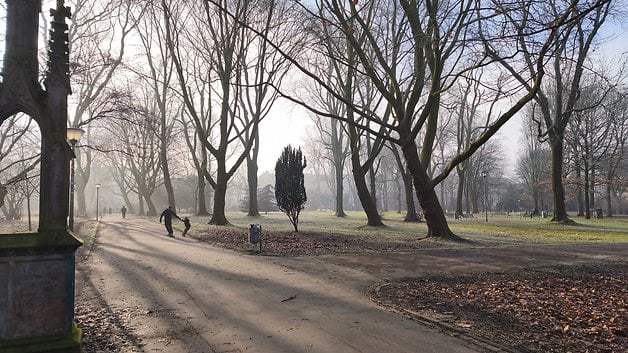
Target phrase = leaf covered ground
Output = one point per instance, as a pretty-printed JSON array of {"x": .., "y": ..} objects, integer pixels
[
  {"x": 305, "y": 243},
  {"x": 563, "y": 309}
]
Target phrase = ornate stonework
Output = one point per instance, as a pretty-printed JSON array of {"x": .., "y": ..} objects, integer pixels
[{"x": 37, "y": 269}]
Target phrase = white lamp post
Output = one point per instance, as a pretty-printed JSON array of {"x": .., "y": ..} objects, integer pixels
[
  {"x": 484, "y": 175},
  {"x": 74, "y": 134},
  {"x": 97, "y": 194}
]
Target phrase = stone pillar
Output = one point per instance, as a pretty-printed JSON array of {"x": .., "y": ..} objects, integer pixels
[
  {"x": 37, "y": 269},
  {"x": 22, "y": 17}
]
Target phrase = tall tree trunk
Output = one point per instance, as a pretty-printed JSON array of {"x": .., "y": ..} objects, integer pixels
[
  {"x": 201, "y": 200},
  {"x": 411, "y": 213},
  {"x": 372, "y": 181},
  {"x": 579, "y": 193},
  {"x": 398, "y": 195},
  {"x": 609, "y": 203},
  {"x": 167, "y": 179},
  {"x": 140, "y": 200},
  {"x": 79, "y": 189},
  {"x": 437, "y": 225},
  {"x": 560, "y": 210},
  {"x": 340, "y": 189},
  {"x": 218, "y": 217},
  {"x": 384, "y": 196},
  {"x": 127, "y": 203},
  {"x": 151, "y": 209},
  {"x": 367, "y": 202},
  {"x": 536, "y": 196},
  {"x": 338, "y": 154},
  {"x": 81, "y": 177}
]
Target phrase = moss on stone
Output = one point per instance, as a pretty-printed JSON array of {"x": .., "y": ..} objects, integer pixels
[
  {"x": 68, "y": 343},
  {"x": 39, "y": 240}
]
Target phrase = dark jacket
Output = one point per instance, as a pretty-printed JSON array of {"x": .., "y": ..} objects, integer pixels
[{"x": 167, "y": 214}]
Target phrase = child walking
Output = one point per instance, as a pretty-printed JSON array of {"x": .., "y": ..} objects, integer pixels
[{"x": 186, "y": 222}]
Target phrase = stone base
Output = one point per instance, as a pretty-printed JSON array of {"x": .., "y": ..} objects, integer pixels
[
  {"x": 37, "y": 292},
  {"x": 70, "y": 343}
]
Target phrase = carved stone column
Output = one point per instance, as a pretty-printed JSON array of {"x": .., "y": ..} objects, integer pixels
[{"x": 37, "y": 269}]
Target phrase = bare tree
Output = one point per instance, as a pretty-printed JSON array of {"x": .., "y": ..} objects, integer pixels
[
  {"x": 98, "y": 36},
  {"x": 19, "y": 162},
  {"x": 594, "y": 138},
  {"x": 263, "y": 68},
  {"x": 200, "y": 161},
  {"x": 136, "y": 155},
  {"x": 403, "y": 172},
  {"x": 615, "y": 163},
  {"x": 569, "y": 53},
  {"x": 534, "y": 163},
  {"x": 341, "y": 73},
  {"x": 158, "y": 75},
  {"x": 119, "y": 166},
  {"x": 211, "y": 46},
  {"x": 331, "y": 138},
  {"x": 411, "y": 68},
  {"x": 588, "y": 134}
]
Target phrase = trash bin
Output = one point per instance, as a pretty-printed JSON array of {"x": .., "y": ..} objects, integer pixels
[
  {"x": 255, "y": 233},
  {"x": 599, "y": 214}
]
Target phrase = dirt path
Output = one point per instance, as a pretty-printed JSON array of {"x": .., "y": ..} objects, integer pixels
[{"x": 178, "y": 295}]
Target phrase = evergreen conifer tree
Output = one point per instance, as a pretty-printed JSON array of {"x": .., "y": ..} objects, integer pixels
[
  {"x": 266, "y": 199},
  {"x": 289, "y": 184}
]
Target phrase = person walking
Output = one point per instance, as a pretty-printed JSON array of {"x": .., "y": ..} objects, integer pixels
[
  {"x": 167, "y": 215},
  {"x": 123, "y": 211},
  {"x": 186, "y": 222}
]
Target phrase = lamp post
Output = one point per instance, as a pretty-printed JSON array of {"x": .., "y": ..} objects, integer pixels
[
  {"x": 484, "y": 175},
  {"x": 97, "y": 194},
  {"x": 73, "y": 134}
]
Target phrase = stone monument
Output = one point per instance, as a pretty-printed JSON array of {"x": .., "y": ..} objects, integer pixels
[{"x": 37, "y": 269}]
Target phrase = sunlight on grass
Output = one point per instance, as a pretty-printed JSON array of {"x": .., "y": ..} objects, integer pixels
[{"x": 499, "y": 229}]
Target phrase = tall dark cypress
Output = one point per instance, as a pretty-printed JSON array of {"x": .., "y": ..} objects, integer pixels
[{"x": 290, "y": 184}]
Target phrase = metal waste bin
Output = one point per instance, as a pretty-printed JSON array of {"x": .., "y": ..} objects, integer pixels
[{"x": 255, "y": 235}]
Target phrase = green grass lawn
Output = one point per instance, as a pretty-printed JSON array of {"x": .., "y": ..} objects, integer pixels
[{"x": 498, "y": 230}]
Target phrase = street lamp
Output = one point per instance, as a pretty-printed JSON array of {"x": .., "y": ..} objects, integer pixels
[
  {"x": 484, "y": 175},
  {"x": 97, "y": 194},
  {"x": 73, "y": 134}
]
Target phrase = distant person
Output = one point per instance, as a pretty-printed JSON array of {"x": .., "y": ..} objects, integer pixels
[
  {"x": 167, "y": 215},
  {"x": 123, "y": 211},
  {"x": 110, "y": 210},
  {"x": 186, "y": 222}
]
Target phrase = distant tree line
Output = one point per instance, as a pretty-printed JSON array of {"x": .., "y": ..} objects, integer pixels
[{"x": 407, "y": 101}]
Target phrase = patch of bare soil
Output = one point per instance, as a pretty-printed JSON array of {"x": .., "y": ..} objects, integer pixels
[{"x": 563, "y": 309}]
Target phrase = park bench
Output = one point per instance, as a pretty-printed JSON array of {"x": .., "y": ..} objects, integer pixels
[
  {"x": 532, "y": 214},
  {"x": 463, "y": 215}
]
